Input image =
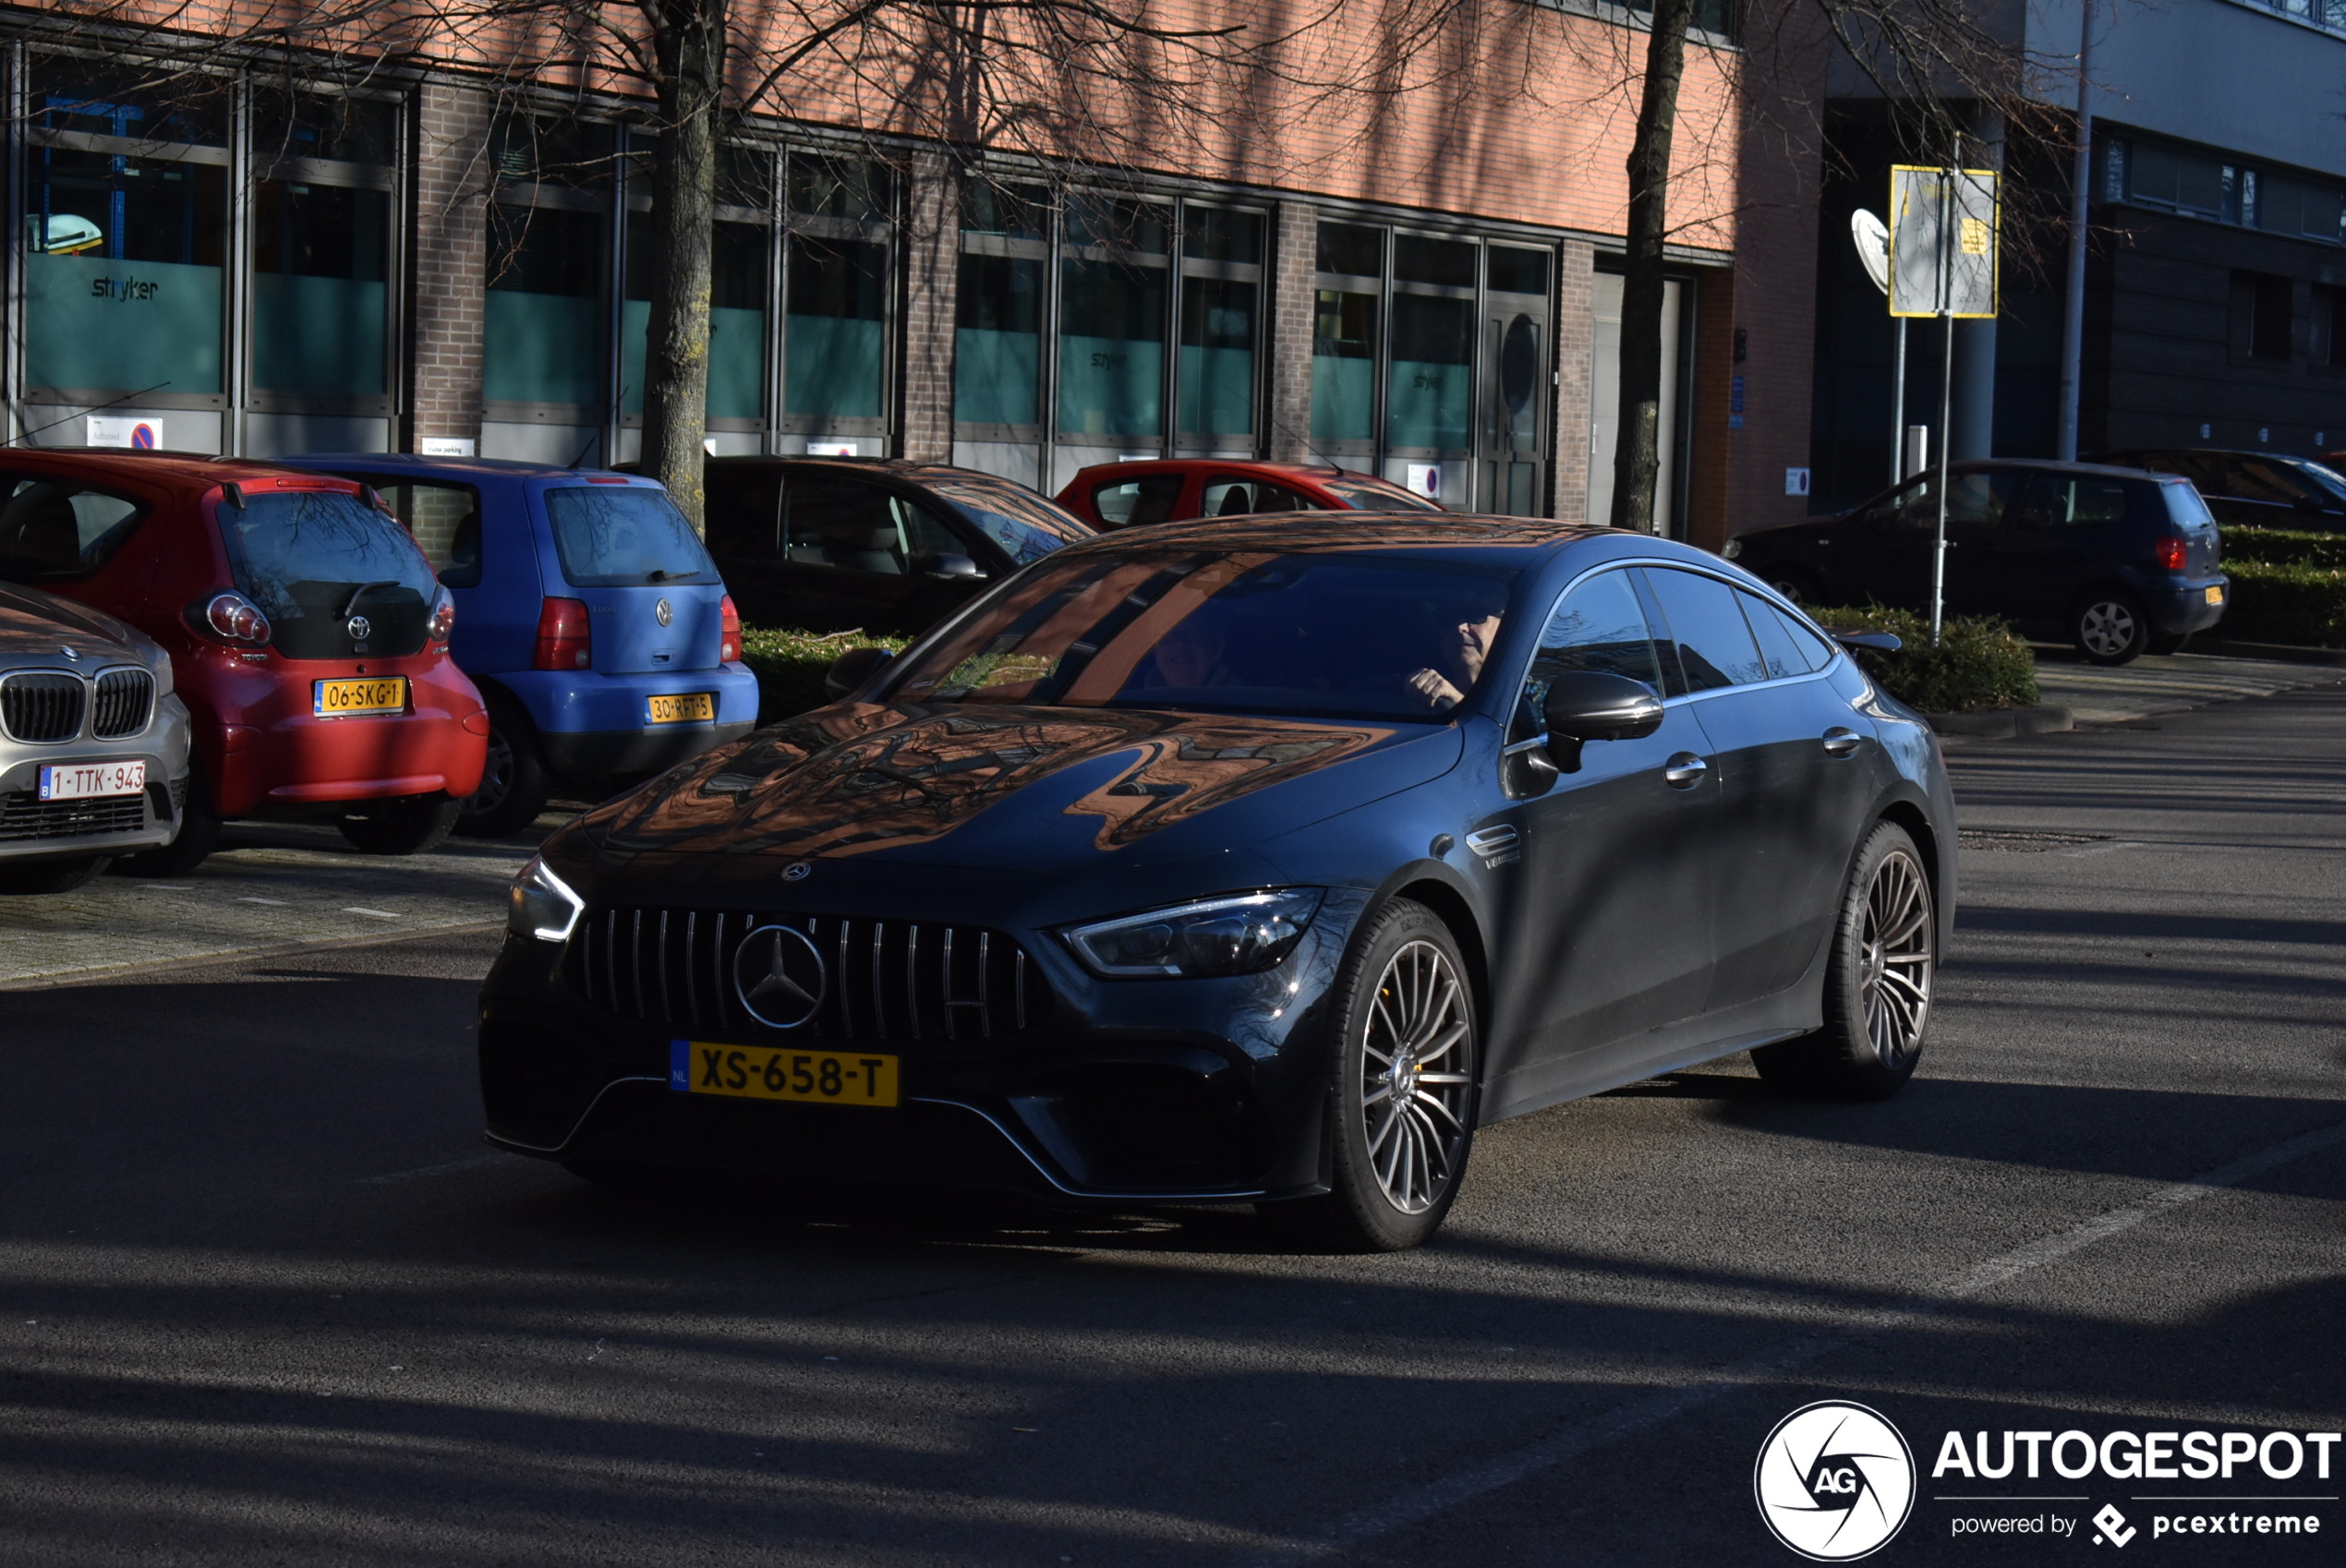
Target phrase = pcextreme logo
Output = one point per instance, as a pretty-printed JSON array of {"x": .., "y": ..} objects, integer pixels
[{"x": 1835, "y": 1481}]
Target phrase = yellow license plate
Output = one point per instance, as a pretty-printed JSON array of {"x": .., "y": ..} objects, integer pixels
[
  {"x": 334, "y": 698},
  {"x": 2215, "y": 596},
  {"x": 756, "y": 1072},
  {"x": 686, "y": 707}
]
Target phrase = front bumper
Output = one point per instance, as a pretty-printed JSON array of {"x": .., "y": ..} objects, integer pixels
[{"x": 34, "y": 829}]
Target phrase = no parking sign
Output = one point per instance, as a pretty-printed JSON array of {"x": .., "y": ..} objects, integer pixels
[{"x": 117, "y": 430}]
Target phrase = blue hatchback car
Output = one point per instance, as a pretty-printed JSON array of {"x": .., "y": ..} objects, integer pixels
[{"x": 587, "y": 612}]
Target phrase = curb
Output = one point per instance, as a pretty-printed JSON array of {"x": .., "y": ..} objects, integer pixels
[
  {"x": 2003, "y": 724},
  {"x": 2280, "y": 653}
]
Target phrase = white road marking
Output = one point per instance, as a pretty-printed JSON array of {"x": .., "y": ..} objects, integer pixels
[
  {"x": 248, "y": 899},
  {"x": 2104, "y": 848},
  {"x": 166, "y": 887},
  {"x": 476, "y": 1162},
  {"x": 372, "y": 914},
  {"x": 1421, "y": 1503}
]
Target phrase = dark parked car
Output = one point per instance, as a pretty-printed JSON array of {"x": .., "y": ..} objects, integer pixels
[
  {"x": 2114, "y": 561},
  {"x": 2254, "y": 490},
  {"x": 1243, "y": 863},
  {"x": 832, "y": 543}
]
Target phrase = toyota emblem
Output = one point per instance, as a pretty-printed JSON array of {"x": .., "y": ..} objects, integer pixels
[
  {"x": 778, "y": 976},
  {"x": 360, "y": 627},
  {"x": 662, "y": 613}
]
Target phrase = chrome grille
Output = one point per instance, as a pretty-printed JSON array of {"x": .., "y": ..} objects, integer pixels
[
  {"x": 885, "y": 979},
  {"x": 42, "y": 707},
  {"x": 24, "y": 814},
  {"x": 125, "y": 698}
]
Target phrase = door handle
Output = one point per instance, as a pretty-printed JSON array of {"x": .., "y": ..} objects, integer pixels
[
  {"x": 1840, "y": 743},
  {"x": 1685, "y": 770}
]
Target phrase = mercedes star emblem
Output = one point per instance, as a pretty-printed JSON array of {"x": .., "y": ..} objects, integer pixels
[
  {"x": 798, "y": 871},
  {"x": 661, "y": 613},
  {"x": 360, "y": 627},
  {"x": 778, "y": 976}
]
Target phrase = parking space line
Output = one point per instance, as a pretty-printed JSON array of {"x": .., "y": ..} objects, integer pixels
[
  {"x": 248, "y": 899},
  {"x": 476, "y": 1162},
  {"x": 1422, "y": 1504},
  {"x": 374, "y": 914}
]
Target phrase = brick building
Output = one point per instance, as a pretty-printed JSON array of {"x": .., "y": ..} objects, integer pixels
[{"x": 1418, "y": 282}]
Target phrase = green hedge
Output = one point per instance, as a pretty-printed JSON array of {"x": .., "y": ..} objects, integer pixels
[
  {"x": 1981, "y": 662},
  {"x": 2278, "y": 546},
  {"x": 790, "y": 665},
  {"x": 2285, "y": 603}
]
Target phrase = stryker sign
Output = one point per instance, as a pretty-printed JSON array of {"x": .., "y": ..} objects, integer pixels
[
  {"x": 2156, "y": 1457},
  {"x": 124, "y": 289}
]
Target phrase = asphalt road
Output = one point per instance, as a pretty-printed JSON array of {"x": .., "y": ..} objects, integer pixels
[{"x": 264, "y": 1299}]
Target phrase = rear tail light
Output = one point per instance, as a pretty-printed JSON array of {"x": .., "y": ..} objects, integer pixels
[
  {"x": 728, "y": 634},
  {"x": 235, "y": 619},
  {"x": 565, "y": 640},
  {"x": 444, "y": 617},
  {"x": 2169, "y": 554}
]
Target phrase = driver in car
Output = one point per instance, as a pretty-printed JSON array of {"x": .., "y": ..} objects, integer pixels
[{"x": 1467, "y": 646}]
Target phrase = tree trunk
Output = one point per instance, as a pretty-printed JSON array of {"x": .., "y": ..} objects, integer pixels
[
  {"x": 1637, "y": 453},
  {"x": 689, "y": 40}
]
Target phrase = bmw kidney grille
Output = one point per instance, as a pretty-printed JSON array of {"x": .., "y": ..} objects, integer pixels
[
  {"x": 42, "y": 707},
  {"x": 125, "y": 698}
]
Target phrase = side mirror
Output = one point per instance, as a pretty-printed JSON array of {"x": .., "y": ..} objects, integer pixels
[
  {"x": 1879, "y": 641},
  {"x": 946, "y": 567},
  {"x": 853, "y": 670},
  {"x": 1587, "y": 704}
]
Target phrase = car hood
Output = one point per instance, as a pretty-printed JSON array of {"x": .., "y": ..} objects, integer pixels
[
  {"x": 1023, "y": 789},
  {"x": 33, "y": 625}
]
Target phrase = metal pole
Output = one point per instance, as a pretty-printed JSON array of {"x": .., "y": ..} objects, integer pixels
[
  {"x": 1946, "y": 403},
  {"x": 2073, "y": 322},
  {"x": 1898, "y": 409}
]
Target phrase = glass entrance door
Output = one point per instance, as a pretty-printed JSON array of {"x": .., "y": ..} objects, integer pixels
[{"x": 1512, "y": 448}]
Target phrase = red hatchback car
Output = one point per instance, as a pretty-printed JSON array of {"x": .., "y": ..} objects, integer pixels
[
  {"x": 1131, "y": 495},
  {"x": 308, "y": 635}
]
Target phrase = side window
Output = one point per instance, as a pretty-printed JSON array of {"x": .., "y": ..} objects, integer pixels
[
  {"x": 1229, "y": 496},
  {"x": 1912, "y": 502},
  {"x": 53, "y": 530},
  {"x": 445, "y": 519},
  {"x": 1974, "y": 499},
  {"x": 744, "y": 513},
  {"x": 841, "y": 522},
  {"x": 1136, "y": 503},
  {"x": 1789, "y": 647},
  {"x": 1600, "y": 626},
  {"x": 2245, "y": 480},
  {"x": 920, "y": 533},
  {"x": 2057, "y": 501},
  {"x": 1713, "y": 645}
]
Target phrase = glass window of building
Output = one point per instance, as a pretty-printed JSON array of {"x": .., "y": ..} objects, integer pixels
[
  {"x": 998, "y": 307},
  {"x": 1347, "y": 294},
  {"x": 1515, "y": 298},
  {"x": 1429, "y": 393},
  {"x": 835, "y": 321},
  {"x": 125, "y": 237},
  {"x": 740, "y": 248},
  {"x": 1112, "y": 323},
  {"x": 543, "y": 338},
  {"x": 1221, "y": 294},
  {"x": 321, "y": 250}
]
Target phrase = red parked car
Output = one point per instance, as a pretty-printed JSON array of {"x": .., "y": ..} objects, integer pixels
[
  {"x": 1131, "y": 495},
  {"x": 307, "y": 632}
]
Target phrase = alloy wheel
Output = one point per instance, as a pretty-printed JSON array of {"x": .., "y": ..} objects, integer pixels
[
  {"x": 496, "y": 776},
  {"x": 1416, "y": 1076},
  {"x": 1896, "y": 966},
  {"x": 2107, "y": 628}
]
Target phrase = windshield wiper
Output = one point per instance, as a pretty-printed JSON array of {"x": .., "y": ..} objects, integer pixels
[
  {"x": 355, "y": 594},
  {"x": 659, "y": 574}
]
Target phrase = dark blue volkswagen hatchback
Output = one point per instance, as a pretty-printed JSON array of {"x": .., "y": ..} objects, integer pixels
[{"x": 1243, "y": 863}]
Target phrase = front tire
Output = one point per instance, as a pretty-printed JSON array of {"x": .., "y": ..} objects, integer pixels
[
  {"x": 2109, "y": 626},
  {"x": 406, "y": 825},
  {"x": 1878, "y": 982},
  {"x": 198, "y": 837},
  {"x": 1402, "y": 1090},
  {"x": 49, "y": 876},
  {"x": 514, "y": 785}
]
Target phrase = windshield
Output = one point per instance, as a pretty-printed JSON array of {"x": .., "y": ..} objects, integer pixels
[
  {"x": 1326, "y": 636},
  {"x": 610, "y": 535},
  {"x": 319, "y": 562},
  {"x": 1026, "y": 526},
  {"x": 2327, "y": 477},
  {"x": 1362, "y": 493}
]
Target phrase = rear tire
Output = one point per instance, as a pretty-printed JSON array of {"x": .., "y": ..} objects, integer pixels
[
  {"x": 49, "y": 876},
  {"x": 1401, "y": 1092},
  {"x": 514, "y": 785},
  {"x": 2109, "y": 626},
  {"x": 1792, "y": 584},
  {"x": 198, "y": 835},
  {"x": 406, "y": 825},
  {"x": 1878, "y": 982}
]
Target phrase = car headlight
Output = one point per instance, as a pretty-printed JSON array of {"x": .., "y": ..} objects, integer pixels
[
  {"x": 1243, "y": 934},
  {"x": 541, "y": 905}
]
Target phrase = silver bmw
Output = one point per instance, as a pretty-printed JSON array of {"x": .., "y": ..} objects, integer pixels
[{"x": 93, "y": 745}]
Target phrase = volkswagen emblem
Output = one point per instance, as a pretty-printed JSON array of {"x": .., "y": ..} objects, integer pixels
[
  {"x": 662, "y": 613},
  {"x": 359, "y": 628},
  {"x": 778, "y": 976},
  {"x": 798, "y": 871}
]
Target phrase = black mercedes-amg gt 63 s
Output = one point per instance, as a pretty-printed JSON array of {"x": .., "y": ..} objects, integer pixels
[{"x": 1242, "y": 863}]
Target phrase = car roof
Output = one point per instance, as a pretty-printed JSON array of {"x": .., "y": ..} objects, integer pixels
[
  {"x": 486, "y": 467},
  {"x": 1314, "y": 472},
  {"x": 895, "y": 467},
  {"x": 1329, "y": 532},
  {"x": 187, "y": 470},
  {"x": 2211, "y": 451}
]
